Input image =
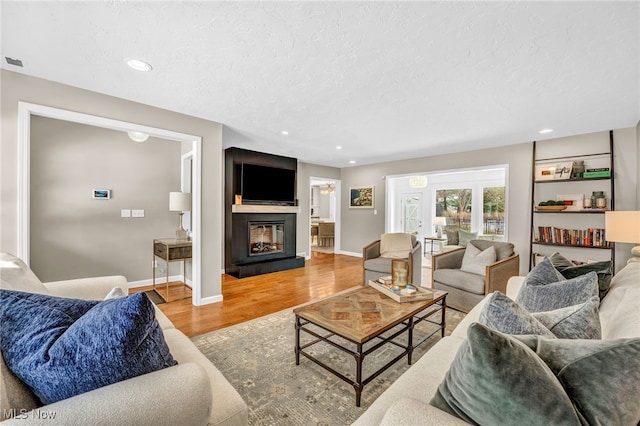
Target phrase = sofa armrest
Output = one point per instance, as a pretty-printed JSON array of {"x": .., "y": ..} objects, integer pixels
[
  {"x": 411, "y": 412},
  {"x": 87, "y": 288},
  {"x": 172, "y": 396},
  {"x": 448, "y": 260},
  {"x": 513, "y": 286},
  {"x": 497, "y": 274}
]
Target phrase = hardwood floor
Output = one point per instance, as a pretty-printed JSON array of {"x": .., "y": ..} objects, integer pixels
[{"x": 248, "y": 298}]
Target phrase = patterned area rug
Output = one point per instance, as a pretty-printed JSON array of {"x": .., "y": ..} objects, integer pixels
[{"x": 258, "y": 358}]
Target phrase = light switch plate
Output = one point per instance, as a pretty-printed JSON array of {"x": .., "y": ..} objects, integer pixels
[
  {"x": 125, "y": 213},
  {"x": 137, "y": 213}
]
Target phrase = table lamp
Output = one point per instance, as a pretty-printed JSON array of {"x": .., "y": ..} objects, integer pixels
[
  {"x": 624, "y": 227},
  {"x": 439, "y": 222},
  {"x": 180, "y": 202}
]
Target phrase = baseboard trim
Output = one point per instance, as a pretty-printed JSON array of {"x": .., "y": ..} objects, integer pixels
[
  {"x": 349, "y": 253},
  {"x": 159, "y": 280}
]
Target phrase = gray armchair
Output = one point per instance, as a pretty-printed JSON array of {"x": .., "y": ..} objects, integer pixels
[
  {"x": 466, "y": 289},
  {"x": 377, "y": 264}
]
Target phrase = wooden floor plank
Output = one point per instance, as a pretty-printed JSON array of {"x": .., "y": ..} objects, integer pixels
[{"x": 248, "y": 298}]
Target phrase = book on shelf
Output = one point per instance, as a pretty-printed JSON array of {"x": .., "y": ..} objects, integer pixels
[
  {"x": 591, "y": 237},
  {"x": 600, "y": 169},
  {"x": 596, "y": 174}
]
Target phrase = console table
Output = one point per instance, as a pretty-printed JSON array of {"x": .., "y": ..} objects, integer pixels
[{"x": 170, "y": 250}]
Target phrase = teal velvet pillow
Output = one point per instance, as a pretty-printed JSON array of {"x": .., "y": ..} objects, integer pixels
[
  {"x": 495, "y": 379},
  {"x": 465, "y": 236},
  {"x": 601, "y": 377},
  {"x": 568, "y": 269},
  {"x": 62, "y": 347},
  {"x": 573, "y": 322}
]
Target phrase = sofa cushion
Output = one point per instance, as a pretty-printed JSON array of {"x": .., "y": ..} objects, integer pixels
[
  {"x": 465, "y": 236},
  {"x": 476, "y": 261},
  {"x": 62, "y": 347},
  {"x": 489, "y": 370},
  {"x": 378, "y": 264},
  {"x": 544, "y": 289},
  {"x": 472, "y": 283},
  {"x": 619, "y": 310},
  {"x": 587, "y": 367},
  {"x": 15, "y": 396},
  {"x": 569, "y": 270},
  {"x": 573, "y": 322},
  {"x": 395, "y": 245},
  {"x": 503, "y": 250},
  {"x": 15, "y": 275}
]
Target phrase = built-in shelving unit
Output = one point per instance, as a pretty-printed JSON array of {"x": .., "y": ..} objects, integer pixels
[{"x": 577, "y": 227}]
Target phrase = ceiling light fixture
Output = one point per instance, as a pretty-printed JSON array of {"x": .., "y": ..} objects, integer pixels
[
  {"x": 139, "y": 65},
  {"x": 330, "y": 189},
  {"x": 543, "y": 131},
  {"x": 352, "y": 161},
  {"x": 284, "y": 132},
  {"x": 418, "y": 181},
  {"x": 338, "y": 147},
  {"x": 137, "y": 136}
]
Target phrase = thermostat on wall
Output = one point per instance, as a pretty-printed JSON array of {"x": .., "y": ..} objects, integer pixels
[{"x": 101, "y": 194}]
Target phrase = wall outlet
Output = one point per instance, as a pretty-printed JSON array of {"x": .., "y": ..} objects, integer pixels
[{"x": 137, "y": 213}]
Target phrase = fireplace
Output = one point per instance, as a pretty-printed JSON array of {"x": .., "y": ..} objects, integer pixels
[{"x": 266, "y": 237}]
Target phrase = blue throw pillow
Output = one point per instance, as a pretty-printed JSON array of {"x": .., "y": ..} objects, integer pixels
[{"x": 64, "y": 347}]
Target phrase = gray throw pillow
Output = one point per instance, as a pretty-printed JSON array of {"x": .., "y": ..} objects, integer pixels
[
  {"x": 492, "y": 370},
  {"x": 602, "y": 377},
  {"x": 503, "y": 314},
  {"x": 541, "y": 291},
  {"x": 465, "y": 236},
  {"x": 452, "y": 237},
  {"x": 573, "y": 322},
  {"x": 476, "y": 261},
  {"x": 603, "y": 270}
]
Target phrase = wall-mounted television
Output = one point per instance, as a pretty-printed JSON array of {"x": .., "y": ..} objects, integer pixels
[{"x": 267, "y": 185}]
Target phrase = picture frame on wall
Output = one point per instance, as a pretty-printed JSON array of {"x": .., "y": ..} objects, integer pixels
[
  {"x": 101, "y": 194},
  {"x": 361, "y": 197}
]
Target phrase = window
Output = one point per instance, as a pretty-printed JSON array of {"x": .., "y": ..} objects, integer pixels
[
  {"x": 493, "y": 210},
  {"x": 455, "y": 206}
]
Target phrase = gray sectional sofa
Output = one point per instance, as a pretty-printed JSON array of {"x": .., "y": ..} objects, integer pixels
[
  {"x": 193, "y": 392},
  {"x": 406, "y": 401}
]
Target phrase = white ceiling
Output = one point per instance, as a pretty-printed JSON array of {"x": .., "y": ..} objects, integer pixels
[{"x": 384, "y": 80}]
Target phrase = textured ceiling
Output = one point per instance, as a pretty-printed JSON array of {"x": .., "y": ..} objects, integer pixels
[{"x": 384, "y": 80}]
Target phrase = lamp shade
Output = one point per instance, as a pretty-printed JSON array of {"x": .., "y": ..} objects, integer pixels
[
  {"x": 179, "y": 201},
  {"x": 440, "y": 221},
  {"x": 622, "y": 226}
]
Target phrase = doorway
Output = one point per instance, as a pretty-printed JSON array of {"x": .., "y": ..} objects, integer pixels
[{"x": 324, "y": 216}]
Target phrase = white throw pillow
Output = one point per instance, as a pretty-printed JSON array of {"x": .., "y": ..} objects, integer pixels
[
  {"x": 395, "y": 245},
  {"x": 475, "y": 261}
]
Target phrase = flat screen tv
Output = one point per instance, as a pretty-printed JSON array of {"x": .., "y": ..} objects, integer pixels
[{"x": 267, "y": 185}]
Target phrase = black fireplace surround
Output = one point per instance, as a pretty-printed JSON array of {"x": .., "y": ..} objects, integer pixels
[{"x": 240, "y": 260}]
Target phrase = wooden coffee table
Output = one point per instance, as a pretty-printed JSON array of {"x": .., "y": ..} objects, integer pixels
[{"x": 362, "y": 316}]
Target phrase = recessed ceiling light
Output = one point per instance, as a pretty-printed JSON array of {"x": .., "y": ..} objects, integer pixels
[
  {"x": 352, "y": 161},
  {"x": 338, "y": 147},
  {"x": 284, "y": 132},
  {"x": 139, "y": 65},
  {"x": 543, "y": 131}
]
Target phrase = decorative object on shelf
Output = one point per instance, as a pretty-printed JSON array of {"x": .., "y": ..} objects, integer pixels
[
  {"x": 598, "y": 200},
  {"x": 439, "y": 222},
  {"x": 587, "y": 203},
  {"x": 361, "y": 197},
  {"x": 180, "y": 202},
  {"x": 624, "y": 227},
  {"x": 238, "y": 199},
  {"x": 573, "y": 202},
  {"x": 545, "y": 172},
  {"x": 563, "y": 170},
  {"x": 400, "y": 272},
  {"x": 603, "y": 172},
  {"x": 578, "y": 169},
  {"x": 551, "y": 208}
]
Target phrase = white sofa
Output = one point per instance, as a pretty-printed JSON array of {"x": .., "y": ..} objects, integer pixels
[
  {"x": 193, "y": 392},
  {"x": 406, "y": 401}
]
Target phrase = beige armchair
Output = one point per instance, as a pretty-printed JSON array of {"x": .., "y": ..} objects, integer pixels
[
  {"x": 377, "y": 256},
  {"x": 466, "y": 289}
]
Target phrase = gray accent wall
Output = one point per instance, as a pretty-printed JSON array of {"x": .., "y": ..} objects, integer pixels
[
  {"x": 18, "y": 87},
  {"x": 76, "y": 236}
]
